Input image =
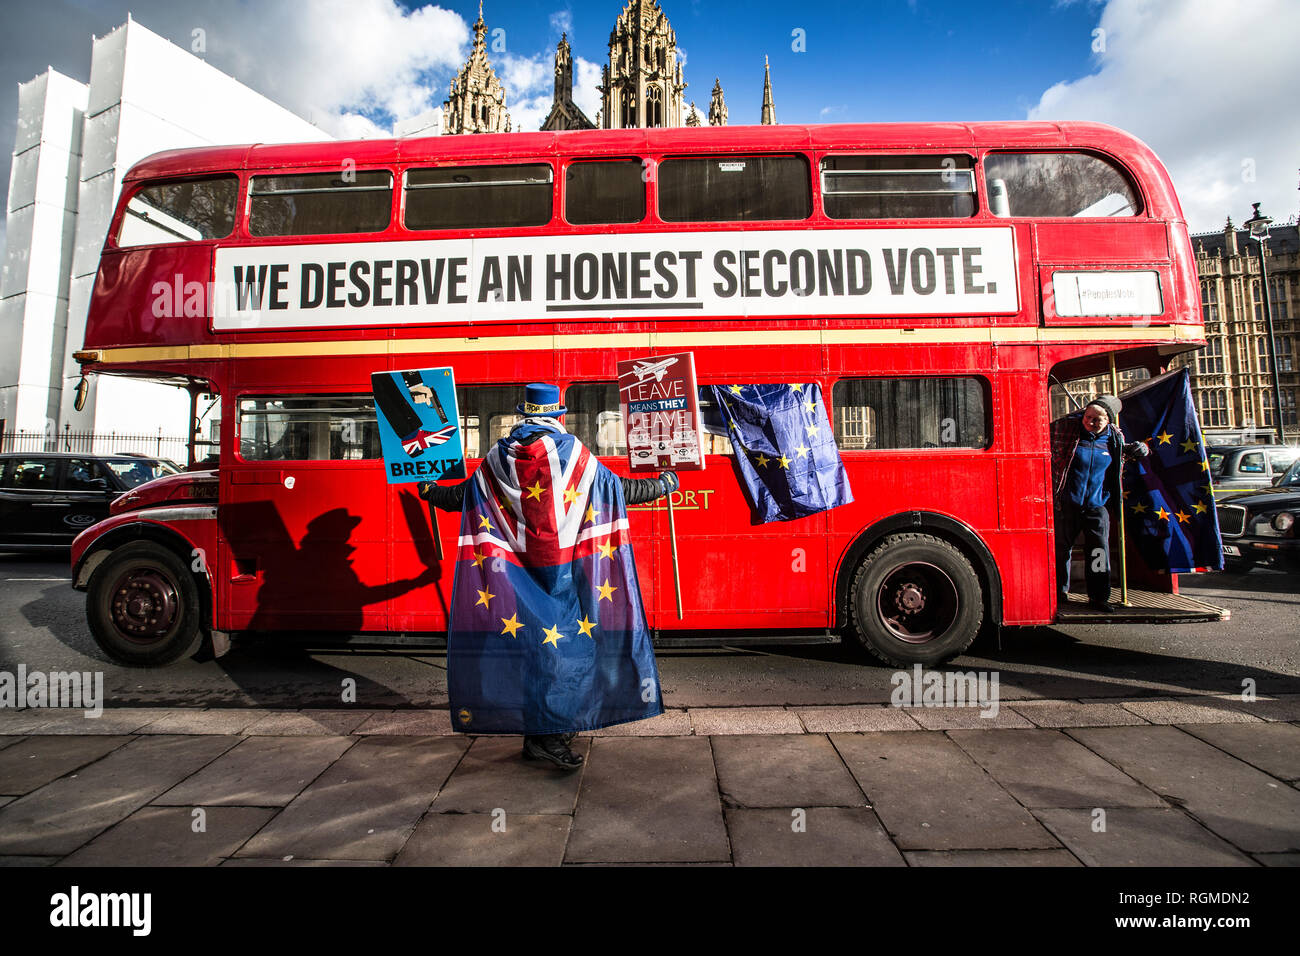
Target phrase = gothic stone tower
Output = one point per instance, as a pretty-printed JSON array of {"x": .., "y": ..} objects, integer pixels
[
  {"x": 477, "y": 102},
  {"x": 565, "y": 113},
  {"x": 642, "y": 84}
]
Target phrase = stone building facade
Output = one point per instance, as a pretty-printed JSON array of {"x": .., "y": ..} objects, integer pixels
[
  {"x": 476, "y": 102},
  {"x": 565, "y": 113},
  {"x": 641, "y": 85},
  {"x": 1231, "y": 377}
]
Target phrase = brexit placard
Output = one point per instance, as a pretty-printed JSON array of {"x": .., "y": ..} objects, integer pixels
[
  {"x": 790, "y": 273},
  {"x": 660, "y": 406},
  {"x": 419, "y": 425}
]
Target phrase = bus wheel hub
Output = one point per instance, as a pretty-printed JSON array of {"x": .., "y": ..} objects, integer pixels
[
  {"x": 909, "y": 599},
  {"x": 144, "y": 604}
]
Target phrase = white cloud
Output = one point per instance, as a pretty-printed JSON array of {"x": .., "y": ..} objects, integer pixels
[
  {"x": 586, "y": 86},
  {"x": 1209, "y": 86},
  {"x": 524, "y": 75},
  {"x": 334, "y": 59},
  {"x": 562, "y": 21}
]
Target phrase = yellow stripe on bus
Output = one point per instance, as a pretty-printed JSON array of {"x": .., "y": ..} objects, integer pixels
[{"x": 651, "y": 341}]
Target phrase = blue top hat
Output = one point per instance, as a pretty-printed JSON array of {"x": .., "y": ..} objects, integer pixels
[{"x": 541, "y": 399}]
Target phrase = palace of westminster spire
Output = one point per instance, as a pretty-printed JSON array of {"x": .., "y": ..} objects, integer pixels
[{"x": 641, "y": 86}]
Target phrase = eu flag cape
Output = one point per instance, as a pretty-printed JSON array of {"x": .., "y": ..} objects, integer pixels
[
  {"x": 785, "y": 449},
  {"x": 547, "y": 632},
  {"x": 1168, "y": 497}
]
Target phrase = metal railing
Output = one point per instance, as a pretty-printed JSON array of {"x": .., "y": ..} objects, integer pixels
[{"x": 94, "y": 443}]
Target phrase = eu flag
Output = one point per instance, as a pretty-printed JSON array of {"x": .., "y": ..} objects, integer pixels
[
  {"x": 547, "y": 631},
  {"x": 785, "y": 449},
  {"x": 1168, "y": 497}
]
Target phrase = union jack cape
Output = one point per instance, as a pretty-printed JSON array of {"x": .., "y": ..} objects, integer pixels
[{"x": 547, "y": 631}]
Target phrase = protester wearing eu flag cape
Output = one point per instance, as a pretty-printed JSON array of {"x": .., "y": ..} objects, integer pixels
[{"x": 547, "y": 634}]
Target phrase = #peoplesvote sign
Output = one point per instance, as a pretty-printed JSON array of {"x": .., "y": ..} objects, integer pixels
[
  {"x": 661, "y": 415},
  {"x": 419, "y": 425}
]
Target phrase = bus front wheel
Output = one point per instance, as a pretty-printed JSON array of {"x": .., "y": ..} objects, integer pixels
[
  {"x": 143, "y": 606},
  {"x": 916, "y": 600}
]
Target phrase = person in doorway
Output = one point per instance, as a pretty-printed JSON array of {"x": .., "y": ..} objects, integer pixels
[
  {"x": 547, "y": 634},
  {"x": 1088, "y": 448}
]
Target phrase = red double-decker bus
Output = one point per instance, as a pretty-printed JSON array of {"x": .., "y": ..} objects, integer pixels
[{"x": 931, "y": 279}]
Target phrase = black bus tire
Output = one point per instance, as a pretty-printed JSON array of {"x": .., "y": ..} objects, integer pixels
[
  {"x": 142, "y": 605},
  {"x": 916, "y": 600}
]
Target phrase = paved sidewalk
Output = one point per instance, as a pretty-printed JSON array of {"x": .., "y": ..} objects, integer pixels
[{"x": 1172, "y": 781}]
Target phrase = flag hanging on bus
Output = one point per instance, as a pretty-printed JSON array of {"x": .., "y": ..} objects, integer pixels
[
  {"x": 785, "y": 449},
  {"x": 1168, "y": 496},
  {"x": 547, "y": 631}
]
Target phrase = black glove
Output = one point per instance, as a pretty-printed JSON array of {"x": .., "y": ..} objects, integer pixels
[
  {"x": 423, "y": 489},
  {"x": 1136, "y": 449},
  {"x": 668, "y": 481}
]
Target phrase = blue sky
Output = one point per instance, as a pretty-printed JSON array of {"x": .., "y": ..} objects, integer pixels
[{"x": 1173, "y": 72}]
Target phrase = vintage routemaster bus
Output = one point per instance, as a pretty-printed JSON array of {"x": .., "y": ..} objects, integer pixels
[{"x": 931, "y": 279}]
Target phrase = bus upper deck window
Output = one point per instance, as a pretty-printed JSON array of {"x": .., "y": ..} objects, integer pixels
[
  {"x": 898, "y": 187},
  {"x": 604, "y": 192},
  {"x": 472, "y": 197},
  {"x": 314, "y": 204},
  {"x": 180, "y": 212},
  {"x": 734, "y": 189},
  {"x": 1057, "y": 184}
]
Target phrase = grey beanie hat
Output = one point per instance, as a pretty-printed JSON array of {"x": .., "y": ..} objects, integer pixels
[{"x": 1110, "y": 405}]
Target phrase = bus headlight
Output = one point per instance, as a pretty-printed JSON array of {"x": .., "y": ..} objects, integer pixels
[{"x": 1283, "y": 521}]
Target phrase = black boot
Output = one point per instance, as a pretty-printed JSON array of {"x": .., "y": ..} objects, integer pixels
[{"x": 552, "y": 747}]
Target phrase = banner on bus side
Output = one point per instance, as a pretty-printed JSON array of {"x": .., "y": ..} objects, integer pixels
[
  {"x": 419, "y": 425},
  {"x": 660, "y": 404},
  {"x": 967, "y": 270}
]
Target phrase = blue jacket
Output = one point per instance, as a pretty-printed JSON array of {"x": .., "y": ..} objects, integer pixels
[{"x": 1086, "y": 469}]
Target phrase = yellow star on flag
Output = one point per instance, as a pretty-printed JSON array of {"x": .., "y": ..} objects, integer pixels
[
  {"x": 607, "y": 592},
  {"x": 479, "y": 559},
  {"x": 1205, "y": 465},
  {"x": 1162, "y": 514},
  {"x": 553, "y": 636},
  {"x": 536, "y": 491},
  {"x": 803, "y": 451},
  {"x": 571, "y": 495},
  {"x": 735, "y": 389},
  {"x": 585, "y": 626},
  {"x": 810, "y": 405},
  {"x": 811, "y": 430},
  {"x": 483, "y": 597},
  {"x": 590, "y": 515},
  {"x": 1208, "y": 489},
  {"x": 785, "y": 462},
  {"x": 1165, "y": 438},
  {"x": 606, "y": 550},
  {"x": 762, "y": 460},
  {"x": 511, "y": 624},
  {"x": 484, "y": 523},
  {"x": 796, "y": 388},
  {"x": 1182, "y": 518},
  {"x": 1189, "y": 445},
  {"x": 1139, "y": 508},
  {"x": 1199, "y": 508}
]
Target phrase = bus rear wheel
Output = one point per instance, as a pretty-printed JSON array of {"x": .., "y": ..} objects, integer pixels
[
  {"x": 143, "y": 606},
  {"x": 916, "y": 600}
]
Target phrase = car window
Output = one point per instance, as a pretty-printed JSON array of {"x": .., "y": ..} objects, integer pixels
[
  {"x": 136, "y": 471},
  {"x": 83, "y": 474},
  {"x": 1280, "y": 461},
  {"x": 1292, "y": 477},
  {"x": 1216, "y": 463},
  {"x": 35, "y": 474},
  {"x": 1251, "y": 463}
]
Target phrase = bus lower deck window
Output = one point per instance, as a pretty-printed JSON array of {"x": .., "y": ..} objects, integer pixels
[
  {"x": 320, "y": 203},
  {"x": 469, "y": 197},
  {"x": 876, "y": 413},
  {"x": 898, "y": 187},
  {"x": 604, "y": 192},
  {"x": 185, "y": 211},
  {"x": 1057, "y": 184},
  {"x": 594, "y": 417},
  {"x": 308, "y": 428},
  {"x": 734, "y": 189}
]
